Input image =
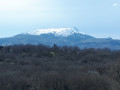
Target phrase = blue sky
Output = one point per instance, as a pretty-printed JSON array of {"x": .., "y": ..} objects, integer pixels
[{"x": 99, "y": 18}]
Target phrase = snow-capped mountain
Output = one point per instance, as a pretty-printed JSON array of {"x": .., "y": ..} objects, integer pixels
[
  {"x": 57, "y": 31},
  {"x": 61, "y": 37}
]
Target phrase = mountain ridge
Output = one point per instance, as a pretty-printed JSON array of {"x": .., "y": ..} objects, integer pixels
[{"x": 72, "y": 38}]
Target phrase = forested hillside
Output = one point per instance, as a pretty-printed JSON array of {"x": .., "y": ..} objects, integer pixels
[{"x": 39, "y": 67}]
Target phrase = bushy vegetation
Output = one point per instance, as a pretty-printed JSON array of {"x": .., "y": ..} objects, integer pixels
[{"x": 39, "y": 67}]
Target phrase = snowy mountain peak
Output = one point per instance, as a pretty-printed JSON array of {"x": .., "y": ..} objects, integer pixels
[{"x": 56, "y": 31}]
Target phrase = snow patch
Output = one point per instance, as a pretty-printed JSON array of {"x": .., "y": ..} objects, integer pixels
[{"x": 56, "y": 31}]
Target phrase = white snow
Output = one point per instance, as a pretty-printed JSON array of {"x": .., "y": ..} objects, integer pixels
[{"x": 56, "y": 31}]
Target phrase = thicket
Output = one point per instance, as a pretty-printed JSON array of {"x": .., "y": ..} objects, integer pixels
[{"x": 39, "y": 67}]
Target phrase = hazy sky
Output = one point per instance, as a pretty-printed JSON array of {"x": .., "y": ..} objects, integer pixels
[{"x": 100, "y": 18}]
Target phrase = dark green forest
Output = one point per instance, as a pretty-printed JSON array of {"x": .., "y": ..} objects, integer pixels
[{"x": 39, "y": 67}]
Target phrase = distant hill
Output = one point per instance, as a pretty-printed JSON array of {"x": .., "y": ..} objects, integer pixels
[{"x": 61, "y": 37}]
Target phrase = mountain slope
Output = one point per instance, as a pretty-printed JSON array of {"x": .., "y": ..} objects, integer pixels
[{"x": 61, "y": 37}]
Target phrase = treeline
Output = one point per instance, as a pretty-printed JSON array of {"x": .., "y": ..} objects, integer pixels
[{"x": 39, "y": 67}]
